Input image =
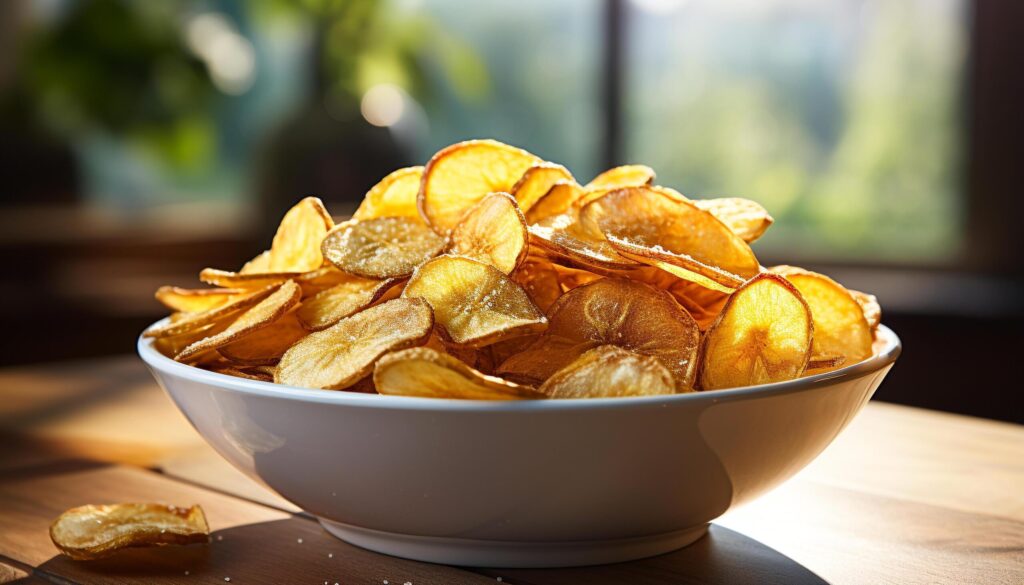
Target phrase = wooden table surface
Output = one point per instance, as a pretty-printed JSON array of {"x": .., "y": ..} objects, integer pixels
[{"x": 903, "y": 496}]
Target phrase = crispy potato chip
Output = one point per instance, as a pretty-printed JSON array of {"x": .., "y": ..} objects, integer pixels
[
  {"x": 267, "y": 345},
  {"x": 428, "y": 373},
  {"x": 462, "y": 174},
  {"x": 651, "y": 224},
  {"x": 194, "y": 321},
  {"x": 259, "y": 264},
  {"x": 268, "y": 311},
  {"x": 869, "y": 304},
  {"x": 702, "y": 303},
  {"x": 172, "y": 345},
  {"x": 763, "y": 335},
  {"x": 536, "y": 182},
  {"x": 609, "y": 371},
  {"x": 539, "y": 279},
  {"x": 561, "y": 239},
  {"x": 558, "y": 200},
  {"x": 339, "y": 356},
  {"x": 839, "y": 324},
  {"x": 240, "y": 372},
  {"x": 474, "y": 303},
  {"x": 613, "y": 311},
  {"x": 746, "y": 218},
  {"x": 623, "y": 176},
  {"x": 679, "y": 266},
  {"x": 342, "y": 300},
  {"x": 494, "y": 232},
  {"x": 296, "y": 245},
  {"x": 571, "y": 278},
  {"x": 96, "y": 531},
  {"x": 393, "y": 196},
  {"x": 381, "y": 248},
  {"x": 248, "y": 280},
  {"x": 195, "y": 300},
  {"x": 319, "y": 280},
  {"x": 823, "y": 363}
]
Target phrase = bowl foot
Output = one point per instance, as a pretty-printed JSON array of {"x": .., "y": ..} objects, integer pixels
[{"x": 512, "y": 554}]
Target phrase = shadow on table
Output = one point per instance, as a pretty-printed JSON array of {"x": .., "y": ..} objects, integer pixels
[{"x": 268, "y": 552}]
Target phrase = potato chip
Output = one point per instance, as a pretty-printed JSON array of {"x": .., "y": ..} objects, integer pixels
[
  {"x": 296, "y": 244},
  {"x": 746, "y": 218},
  {"x": 560, "y": 238},
  {"x": 536, "y": 182},
  {"x": 702, "y": 303},
  {"x": 238, "y": 371},
  {"x": 494, "y": 232},
  {"x": 195, "y": 321},
  {"x": 462, "y": 174},
  {"x": 424, "y": 372},
  {"x": 623, "y": 176},
  {"x": 342, "y": 300},
  {"x": 195, "y": 300},
  {"x": 341, "y": 355},
  {"x": 248, "y": 280},
  {"x": 474, "y": 303},
  {"x": 172, "y": 345},
  {"x": 96, "y": 531},
  {"x": 539, "y": 279},
  {"x": 393, "y": 196},
  {"x": 613, "y": 311},
  {"x": 823, "y": 363},
  {"x": 763, "y": 335},
  {"x": 381, "y": 248},
  {"x": 265, "y": 346},
  {"x": 558, "y": 200},
  {"x": 266, "y": 312},
  {"x": 608, "y": 371},
  {"x": 319, "y": 280},
  {"x": 839, "y": 324},
  {"x": 869, "y": 304}
]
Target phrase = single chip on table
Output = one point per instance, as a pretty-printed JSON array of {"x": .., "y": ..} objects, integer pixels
[
  {"x": 429, "y": 373},
  {"x": 475, "y": 304},
  {"x": 609, "y": 371},
  {"x": 393, "y": 196},
  {"x": 536, "y": 182},
  {"x": 840, "y": 327},
  {"x": 747, "y": 219},
  {"x": 196, "y": 300},
  {"x": 96, "y": 531},
  {"x": 341, "y": 355},
  {"x": 612, "y": 311},
  {"x": 190, "y": 322},
  {"x": 763, "y": 335},
  {"x": 342, "y": 300},
  {"x": 494, "y": 232},
  {"x": 262, "y": 315},
  {"x": 381, "y": 248},
  {"x": 652, "y": 225},
  {"x": 462, "y": 174},
  {"x": 623, "y": 176},
  {"x": 265, "y": 346}
]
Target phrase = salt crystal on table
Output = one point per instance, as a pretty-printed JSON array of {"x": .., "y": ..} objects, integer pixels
[
  {"x": 330, "y": 555},
  {"x": 298, "y": 540}
]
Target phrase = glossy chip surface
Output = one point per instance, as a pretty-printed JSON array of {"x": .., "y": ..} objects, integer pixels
[
  {"x": 96, "y": 531},
  {"x": 494, "y": 232},
  {"x": 381, "y": 248}
]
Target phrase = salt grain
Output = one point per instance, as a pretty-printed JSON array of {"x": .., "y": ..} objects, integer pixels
[
  {"x": 186, "y": 573},
  {"x": 227, "y": 578},
  {"x": 220, "y": 537},
  {"x": 330, "y": 555},
  {"x": 298, "y": 540}
]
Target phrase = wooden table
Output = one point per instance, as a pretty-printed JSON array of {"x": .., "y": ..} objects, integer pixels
[{"x": 903, "y": 496}]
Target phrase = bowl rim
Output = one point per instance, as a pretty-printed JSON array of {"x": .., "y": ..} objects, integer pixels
[{"x": 888, "y": 352}]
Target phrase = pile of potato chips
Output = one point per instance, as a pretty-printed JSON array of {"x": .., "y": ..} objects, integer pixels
[{"x": 492, "y": 274}]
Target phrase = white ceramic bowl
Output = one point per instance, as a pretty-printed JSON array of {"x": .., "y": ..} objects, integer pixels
[{"x": 520, "y": 484}]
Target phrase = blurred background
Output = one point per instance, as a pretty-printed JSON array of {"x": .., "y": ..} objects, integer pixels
[{"x": 143, "y": 141}]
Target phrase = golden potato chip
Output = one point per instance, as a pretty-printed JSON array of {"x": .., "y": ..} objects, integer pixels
[
  {"x": 702, "y": 303},
  {"x": 462, "y": 174},
  {"x": 265, "y": 346},
  {"x": 558, "y": 200},
  {"x": 319, "y": 280},
  {"x": 194, "y": 321},
  {"x": 248, "y": 280},
  {"x": 342, "y": 300},
  {"x": 385, "y": 247},
  {"x": 195, "y": 300},
  {"x": 261, "y": 315},
  {"x": 571, "y": 278},
  {"x": 678, "y": 265},
  {"x": 613, "y": 311},
  {"x": 746, "y": 218},
  {"x": 494, "y": 232},
  {"x": 608, "y": 371},
  {"x": 839, "y": 324},
  {"x": 296, "y": 245},
  {"x": 623, "y": 176},
  {"x": 536, "y": 182},
  {"x": 393, "y": 196},
  {"x": 763, "y": 335},
  {"x": 341, "y": 355},
  {"x": 652, "y": 224},
  {"x": 96, "y": 531},
  {"x": 240, "y": 372},
  {"x": 823, "y": 363},
  {"x": 561, "y": 239},
  {"x": 475, "y": 304},
  {"x": 539, "y": 279},
  {"x": 172, "y": 345},
  {"x": 869, "y": 304},
  {"x": 424, "y": 372}
]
